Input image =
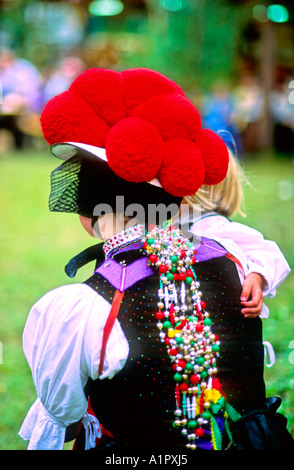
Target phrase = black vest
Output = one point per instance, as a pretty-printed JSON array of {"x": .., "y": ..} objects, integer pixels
[{"x": 137, "y": 405}]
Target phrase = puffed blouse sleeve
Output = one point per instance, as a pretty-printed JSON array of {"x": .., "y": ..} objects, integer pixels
[{"x": 62, "y": 342}]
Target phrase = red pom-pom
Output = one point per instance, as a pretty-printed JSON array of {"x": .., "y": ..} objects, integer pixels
[
  {"x": 215, "y": 156},
  {"x": 104, "y": 91},
  {"x": 142, "y": 84},
  {"x": 173, "y": 116},
  {"x": 134, "y": 150},
  {"x": 182, "y": 171},
  {"x": 67, "y": 117}
]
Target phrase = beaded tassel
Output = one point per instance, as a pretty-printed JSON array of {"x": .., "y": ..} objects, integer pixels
[{"x": 185, "y": 330}]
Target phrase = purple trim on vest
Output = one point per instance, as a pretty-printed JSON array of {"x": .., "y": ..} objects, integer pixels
[{"x": 123, "y": 277}]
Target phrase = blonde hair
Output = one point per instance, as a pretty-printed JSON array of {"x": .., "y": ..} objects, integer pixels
[{"x": 225, "y": 197}]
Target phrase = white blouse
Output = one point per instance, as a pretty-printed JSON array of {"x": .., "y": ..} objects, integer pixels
[
  {"x": 62, "y": 343},
  {"x": 255, "y": 253}
]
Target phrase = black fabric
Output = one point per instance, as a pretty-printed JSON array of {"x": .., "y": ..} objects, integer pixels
[
  {"x": 263, "y": 429},
  {"x": 81, "y": 183},
  {"x": 137, "y": 405},
  {"x": 93, "y": 253}
]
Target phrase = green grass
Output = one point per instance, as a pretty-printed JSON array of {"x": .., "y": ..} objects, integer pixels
[{"x": 35, "y": 246}]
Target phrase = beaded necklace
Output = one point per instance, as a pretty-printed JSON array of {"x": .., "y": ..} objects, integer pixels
[{"x": 201, "y": 411}]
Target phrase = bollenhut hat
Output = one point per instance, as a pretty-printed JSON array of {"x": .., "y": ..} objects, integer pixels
[{"x": 132, "y": 133}]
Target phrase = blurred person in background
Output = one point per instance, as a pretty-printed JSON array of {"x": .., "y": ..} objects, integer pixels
[
  {"x": 282, "y": 111},
  {"x": 61, "y": 77},
  {"x": 248, "y": 111},
  {"x": 21, "y": 91},
  {"x": 217, "y": 108}
]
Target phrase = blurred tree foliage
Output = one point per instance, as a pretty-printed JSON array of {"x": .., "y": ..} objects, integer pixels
[{"x": 197, "y": 45}]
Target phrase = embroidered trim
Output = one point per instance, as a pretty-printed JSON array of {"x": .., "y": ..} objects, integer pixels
[{"x": 123, "y": 238}]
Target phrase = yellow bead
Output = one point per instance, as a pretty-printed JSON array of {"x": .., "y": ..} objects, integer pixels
[{"x": 172, "y": 333}]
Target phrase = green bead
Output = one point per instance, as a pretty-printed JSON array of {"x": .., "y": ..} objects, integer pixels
[
  {"x": 174, "y": 269},
  {"x": 189, "y": 280},
  {"x": 179, "y": 340},
  {"x": 200, "y": 360},
  {"x": 206, "y": 415},
  {"x": 189, "y": 366},
  {"x": 177, "y": 377},
  {"x": 174, "y": 258},
  {"x": 207, "y": 322},
  {"x": 167, "y": 324},
  {"x": 203, "y": 374},
  {"x": 215, "y": 348},
  {"x": 170, "y": 276},
  {"x": 192, "y": 423},
  {"x": 151, "y": 241}
]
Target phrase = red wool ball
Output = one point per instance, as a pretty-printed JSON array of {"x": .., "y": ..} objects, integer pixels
[
  {"x": 134, "y": 150},
  {"x": 67, "y": 117},
  {"x": 104, "y": 91},
  {"x": 141, "y": 84},
  {"x": 173, "y": 116},
  {"x": 215, "y": 156},
  {"x": 182, "y": 171}
]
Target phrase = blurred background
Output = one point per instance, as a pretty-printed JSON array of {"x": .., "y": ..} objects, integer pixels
[{"x": 234, "y": 60}]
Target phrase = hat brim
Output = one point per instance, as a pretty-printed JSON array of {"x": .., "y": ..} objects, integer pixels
[
  {"x": 92, "y": 182},
  {"x": 67, "y": 150}
]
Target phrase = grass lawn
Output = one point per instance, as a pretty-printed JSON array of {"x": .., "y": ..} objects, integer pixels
[{"x": 35, "y": 246}]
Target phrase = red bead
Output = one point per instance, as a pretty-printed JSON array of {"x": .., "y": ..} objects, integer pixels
[
  {"x": 184, "y": 387},
  {"x": 145, "y": 244},
  {"x": 166, "y": 341},
  {"x": 153, "y": 258},
  {"x": 194, "y": 379},
  {"x": 159, "y": 315},
  {"x": 199, "y": 327},
  {"x": 193, "y": 260},
  {"x": 199, "y": 432},
  {"x": 183, "y": 254},
  {"x": 189, "y": 273},
  {"x": 176, "y": 277},
  {"x": 162, "y": 268},
  {"x": 203, "y": 304},
  {"x": 182, "y": 276},
  {"x": 173, "y": 351},
  {"x": 181, "y": 363}
]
